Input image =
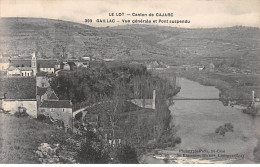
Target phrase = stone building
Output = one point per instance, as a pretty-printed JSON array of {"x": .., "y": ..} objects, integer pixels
[
  {"x": 36, "y": 65},
  {"x": 19, "y": 71},
  {"x": 18, "y": 92},
  {"x": 57, "y": 110}
]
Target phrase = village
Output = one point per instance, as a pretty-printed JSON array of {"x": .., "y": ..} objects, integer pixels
[{"x": 25, "y": 88}]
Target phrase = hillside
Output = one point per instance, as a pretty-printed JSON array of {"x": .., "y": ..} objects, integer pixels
[
  {"x": 20, "y": 137},
  {"x": 56, "y": 38}
]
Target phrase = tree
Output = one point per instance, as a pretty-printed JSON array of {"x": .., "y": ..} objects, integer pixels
[
  {"x": 127, "y": 155},
  {"x": 92, "y": 150},
  {"x": 117, "y": 105}
]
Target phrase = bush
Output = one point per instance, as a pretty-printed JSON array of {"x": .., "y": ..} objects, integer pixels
[
  {"x": 41, "y": 117},
  {"x": 21, "y": 112},
  {"x": 177, "y": 140},
  {"x": 92, "y": 151},
  {"x": 127, "y": 155},
  {"x": 228, "y": 127}
]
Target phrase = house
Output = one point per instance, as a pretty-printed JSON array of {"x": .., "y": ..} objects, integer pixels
[
  {"x": 59, "y": 65},
  {"x": 25, "y": 71},
  {"x": 66, "y": 67},
  {"x": 84, "y": 64},
  {"x": 108, "y": 59},
  {"x": 19, "y": 71},
  {"x": 45, "y": 93},
  {"x": 44, "y": 65},
  {"x": 13, "y": 71},
  {"x": 47, "y": 65},
  {"x": 42, "y": 79},
  {"x": 17, "y": 92},
  {"x": 57, "y": 110},
  {"x": 86, "y": 58}
]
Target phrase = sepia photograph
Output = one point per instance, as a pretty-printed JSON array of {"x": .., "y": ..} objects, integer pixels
[{"x": 129, "y": 82}]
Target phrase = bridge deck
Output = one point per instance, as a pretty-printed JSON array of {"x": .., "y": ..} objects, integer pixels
[{"x": 210, "y": 99}]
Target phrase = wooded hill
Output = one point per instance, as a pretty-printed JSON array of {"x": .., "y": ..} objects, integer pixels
[{"x": 61, "y": 39}]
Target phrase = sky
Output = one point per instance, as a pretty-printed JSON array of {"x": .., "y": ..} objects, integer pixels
[{"x": 201, "y": 13}]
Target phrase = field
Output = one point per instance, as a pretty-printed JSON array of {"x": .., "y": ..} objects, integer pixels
[{"x": 20, "y": 137}]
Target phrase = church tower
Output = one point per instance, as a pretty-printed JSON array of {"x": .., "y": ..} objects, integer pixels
[{"x": 34, "y": 64}]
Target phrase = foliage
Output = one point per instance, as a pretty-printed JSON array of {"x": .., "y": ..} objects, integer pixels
[
  {"x": 113, "y": 86},
  {"x": 228, "y": 127},
  {"x": 127, "y": 155},
  {"x": 92, "y": 150},
  {"x": 90, "y": 85},
  {"x": 49, "y": 120},
  {"x": 251, "y": 109},
  {"x": 21, "y": 112}
]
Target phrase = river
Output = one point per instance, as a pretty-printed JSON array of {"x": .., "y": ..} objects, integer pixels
[{"x": 196, "y": 122}]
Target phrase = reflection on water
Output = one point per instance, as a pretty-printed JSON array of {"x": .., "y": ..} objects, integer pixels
[{"x": 197, "y": 121}]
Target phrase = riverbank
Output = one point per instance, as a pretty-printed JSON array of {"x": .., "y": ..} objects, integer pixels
[
  {"x": 231, "y": 86},
  {"x": 196, "y": 122}
]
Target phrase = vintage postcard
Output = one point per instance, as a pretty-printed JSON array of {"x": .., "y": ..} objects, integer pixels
[{"x": 129, "y": 82}]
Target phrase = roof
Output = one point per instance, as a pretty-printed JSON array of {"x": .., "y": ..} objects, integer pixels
[
  {"x": 56, "y": 104},
  {"x": 53, "y": 96},
  {"x": 41, "y": 73},
  {"x": 11, "y": 68},
  {"x": 41, "y": 91},
  {"x": 25, "y": 68},
  {"x": 42, "y": 63},
  {"x": 21, "y": 62},
  {"x": 18, "y": 87},
  {"x": 46, "y": 63}
]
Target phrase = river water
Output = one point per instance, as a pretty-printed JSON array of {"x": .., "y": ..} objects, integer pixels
[{"x": 196, "y": 122}]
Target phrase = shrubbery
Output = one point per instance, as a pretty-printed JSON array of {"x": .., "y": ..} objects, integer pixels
[
  {"x": 127, "y": 155},
  {"x": 228, "y": 127}
]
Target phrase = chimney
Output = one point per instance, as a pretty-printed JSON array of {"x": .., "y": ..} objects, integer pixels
[{"x": 153, "y": 103}]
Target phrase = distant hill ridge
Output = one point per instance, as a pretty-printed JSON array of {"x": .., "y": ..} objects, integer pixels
[{"x": 62, "y": 39}]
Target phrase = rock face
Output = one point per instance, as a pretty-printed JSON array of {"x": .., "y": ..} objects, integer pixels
[{"x": 54, "y": 154}]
